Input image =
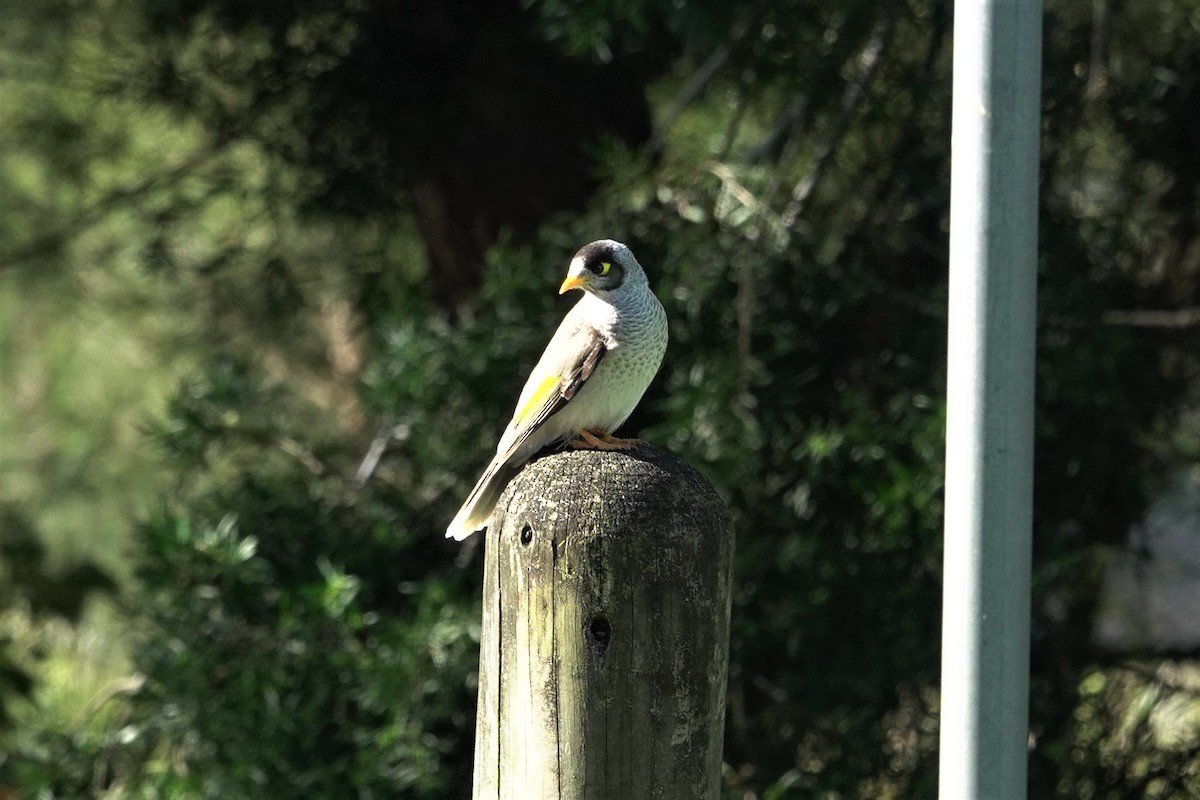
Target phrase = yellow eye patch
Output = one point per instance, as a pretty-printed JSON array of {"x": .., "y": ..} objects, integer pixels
[{"x": 605, "y": 267}]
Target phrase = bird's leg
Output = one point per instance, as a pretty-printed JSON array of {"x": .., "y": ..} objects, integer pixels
[
  {"x": 591, "y": 439},
  {"x": 602, "y": 441},
  {"x": 586, "y": 441},
  {"x": 611, "y": 442}
]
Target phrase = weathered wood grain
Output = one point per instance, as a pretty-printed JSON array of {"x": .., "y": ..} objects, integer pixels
[{"x": 605, "y": 636}]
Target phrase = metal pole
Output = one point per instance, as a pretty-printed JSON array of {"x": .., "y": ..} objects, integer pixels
[{"x": 989, "y": 426}]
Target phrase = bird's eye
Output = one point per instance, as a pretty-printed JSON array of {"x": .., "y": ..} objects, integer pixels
[{"x": 604, "y": 267}]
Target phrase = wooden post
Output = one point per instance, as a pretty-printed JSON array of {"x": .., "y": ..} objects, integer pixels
[{"x": 605, "y": 641}]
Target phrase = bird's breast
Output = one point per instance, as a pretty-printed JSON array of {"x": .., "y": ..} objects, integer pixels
[{"x": 637, "y": 342}]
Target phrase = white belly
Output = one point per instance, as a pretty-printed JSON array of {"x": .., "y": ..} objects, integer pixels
[{"x": 608, "y": 397}]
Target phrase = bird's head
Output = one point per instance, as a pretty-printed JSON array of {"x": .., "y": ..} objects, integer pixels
[{"x": 602, "y": 267}]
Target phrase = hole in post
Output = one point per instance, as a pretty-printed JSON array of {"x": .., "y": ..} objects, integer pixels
[
  {"x": 601, "y": 633},
  {"x": 526, "y": 535}
]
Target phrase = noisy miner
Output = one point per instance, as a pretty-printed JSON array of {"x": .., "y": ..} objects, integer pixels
[{"x": 590, "y": 377}]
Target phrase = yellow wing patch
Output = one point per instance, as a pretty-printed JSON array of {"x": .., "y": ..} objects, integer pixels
[{"x": 529, "y": 411}]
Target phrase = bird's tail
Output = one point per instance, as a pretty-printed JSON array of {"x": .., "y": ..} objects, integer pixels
[{"x": 477, "y": 511}]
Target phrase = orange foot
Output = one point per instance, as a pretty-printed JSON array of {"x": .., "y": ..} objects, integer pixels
[{"x": 602, "y": 441}]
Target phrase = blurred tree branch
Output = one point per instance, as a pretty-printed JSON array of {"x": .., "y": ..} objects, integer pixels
[
  {"x": 49, "y": 243},
  {"x": 868, "y": 61},
  {"x": 1154, "y": 318},
  {"x": 686, "y": 96}
]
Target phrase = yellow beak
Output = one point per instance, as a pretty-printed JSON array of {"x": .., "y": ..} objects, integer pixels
[{"x": 573, "y": 282}]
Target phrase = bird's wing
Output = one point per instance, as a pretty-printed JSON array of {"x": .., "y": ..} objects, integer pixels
[{"x": 569, "y": 360}]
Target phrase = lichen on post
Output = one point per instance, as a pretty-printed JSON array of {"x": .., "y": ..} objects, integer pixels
[{"x": 605, "y": 642}]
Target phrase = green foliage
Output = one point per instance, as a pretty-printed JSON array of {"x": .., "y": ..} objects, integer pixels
[
  {"x": 297, "y": 635},
  {"x": 28, "y": 582},
  {"x": 324, "y": 618},
  {"x": 1136, "y": 732},
  {"x": 357, "y": 684}
]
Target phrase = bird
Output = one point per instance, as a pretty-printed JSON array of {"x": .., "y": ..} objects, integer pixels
[{"x": 591, "y": 376}]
